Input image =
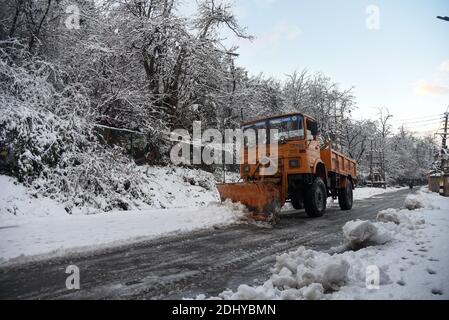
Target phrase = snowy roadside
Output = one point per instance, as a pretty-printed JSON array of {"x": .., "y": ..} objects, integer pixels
[
  {"x": 404, "y": 255},
  {"x": 35, "y": 227},
  {"x": 60, "y": 235},
  {"x": 363, "y": 193}
]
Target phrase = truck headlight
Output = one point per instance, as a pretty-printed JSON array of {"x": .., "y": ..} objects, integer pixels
[{"x": 294, "y": 163}]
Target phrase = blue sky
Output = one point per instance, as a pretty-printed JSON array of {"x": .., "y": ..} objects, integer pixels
[{"x": 403, "y": 65}]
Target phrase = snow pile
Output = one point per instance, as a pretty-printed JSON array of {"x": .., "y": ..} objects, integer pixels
[
  {"x": 359, "y": 234},
  {"x": 413, "y": 264},
  {"x": 389, "y": 215},
  {"x": 400, "y": 218},
  {"x": 307, "y": 267},
  {"x": 413, "y": 202},
  {"x": 302, "y": 274},
  {"x": 418, "y": 201}
]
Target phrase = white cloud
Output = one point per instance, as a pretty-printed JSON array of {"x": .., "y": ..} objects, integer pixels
[
  {"x": 445, "y": 66},
  {"x": 282, "y": 31},
  {"x": 426, "y": 88},
  {"x": 271, "y": 40}
]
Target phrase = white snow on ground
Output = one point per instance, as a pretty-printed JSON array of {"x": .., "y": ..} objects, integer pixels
[
  {"x": 56, "y": 235},
  {"x": 33, "y": 227},
  {"x": 408, "y": 248},
  {"x": 40, "y": 226},
  {"x": 170, "y": 187},
  {"x": 367, "y": 192}
]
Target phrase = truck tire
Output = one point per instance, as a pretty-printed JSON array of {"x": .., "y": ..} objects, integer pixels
[
  {"x": 345, "y": 198},
  {"x": 315, "y": 200},
  {"x": 297, "y": 200}
]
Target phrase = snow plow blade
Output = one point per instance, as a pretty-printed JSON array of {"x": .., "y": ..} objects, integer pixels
[{"x": 263, "y": 199}]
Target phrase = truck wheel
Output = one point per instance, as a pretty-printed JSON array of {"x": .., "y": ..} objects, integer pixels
[
  {"x": 315, "y": 200},
  {"x": 345, "y": 199},
  {"x": 297, "y": 200}
]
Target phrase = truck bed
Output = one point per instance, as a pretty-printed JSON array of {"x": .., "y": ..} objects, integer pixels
[{"x": 338, "y": 162}]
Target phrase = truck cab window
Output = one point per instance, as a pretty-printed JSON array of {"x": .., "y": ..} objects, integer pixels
[
  {"x": 311, "y": 129},
  {"x": 290, "y": 127}
]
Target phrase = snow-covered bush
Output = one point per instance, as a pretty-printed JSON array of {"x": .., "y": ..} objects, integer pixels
[
  {"x": 63, "y": 159},
  {"x": 47, "y": 142}
]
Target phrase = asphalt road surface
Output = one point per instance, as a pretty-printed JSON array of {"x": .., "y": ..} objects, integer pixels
[{"x": 185, "y": 265}]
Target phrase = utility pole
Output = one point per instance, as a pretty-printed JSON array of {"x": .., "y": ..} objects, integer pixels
[
  {"x": 444, "y": 142},
  {"x": 371, "y": 164}
]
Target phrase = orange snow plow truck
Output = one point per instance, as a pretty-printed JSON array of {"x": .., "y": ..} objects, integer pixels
[{"x": 306, "y": 175}]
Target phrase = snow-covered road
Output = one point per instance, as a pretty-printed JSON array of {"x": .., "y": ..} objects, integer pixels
[
  {"x": 36, "y": 228},
  {"x": 184, "y": 265}
]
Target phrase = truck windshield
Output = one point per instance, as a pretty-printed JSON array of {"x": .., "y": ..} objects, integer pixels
[
  {"x": 262, "y": 125},
  {"x": 288, "y": 127}
]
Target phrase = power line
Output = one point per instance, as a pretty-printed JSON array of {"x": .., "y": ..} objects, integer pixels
[
  {"x": 430, "y": 130},
  {"x": 418, "y": 125},
  {"x": 422, "y": 123},
  {"x": 418, "y": 121},
  {"x": 420, "y": 117}
]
